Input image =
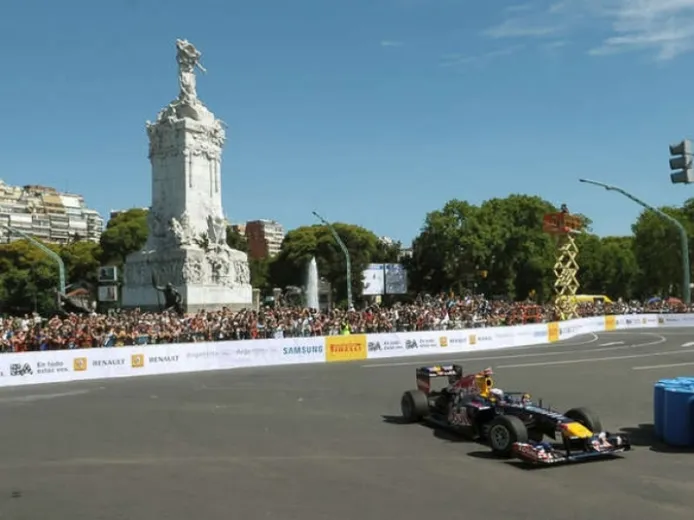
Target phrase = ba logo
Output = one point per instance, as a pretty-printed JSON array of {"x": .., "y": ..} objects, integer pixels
[
  {"x": 473, "y": 339},
  {"x": 137, "y": 360},
  {"x": 443, "y": 341},
  {"x": 79, "y": 364},
  {"x": 19, "y": 369},
  {"x": 410, "y": 344},
  {"x": 374, "y": 346}
]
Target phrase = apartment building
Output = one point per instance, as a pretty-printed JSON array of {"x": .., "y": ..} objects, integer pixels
[
  {"x": 46, "y": 214},
  {"x": 264, "y": 238}
]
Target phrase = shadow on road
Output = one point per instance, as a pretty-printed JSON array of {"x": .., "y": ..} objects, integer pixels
[
  {"x": 440, "y": 433},
  {"x": 448, "y": 435},
  {"x": 643, "y": 436},
  {"x": 640, "y": 436}
]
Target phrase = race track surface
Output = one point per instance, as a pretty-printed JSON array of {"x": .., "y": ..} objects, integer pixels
[{"x": 320, "y": 443}]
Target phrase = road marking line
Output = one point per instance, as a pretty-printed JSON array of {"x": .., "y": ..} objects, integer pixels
[
  {"x": 672, "y": 365},
  {"x": 593, "y": 360},
  {"x": 41, "y": 397},
  {"x": 676, "y": 332},
  {"x": 613, "y": 343},
  {"x": 688, "y": 344},
  {"x": 592, "y": 340},
  {"x": 438, "y": 359}
]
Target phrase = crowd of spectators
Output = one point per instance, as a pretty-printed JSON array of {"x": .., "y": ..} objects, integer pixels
[{"x": 32, "y": 332}]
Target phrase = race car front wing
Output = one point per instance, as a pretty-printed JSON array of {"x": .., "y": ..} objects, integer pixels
[{"x": 600, "y": 445}]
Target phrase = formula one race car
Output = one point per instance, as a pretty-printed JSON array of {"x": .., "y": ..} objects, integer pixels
[{"x": 509, "y": 422}]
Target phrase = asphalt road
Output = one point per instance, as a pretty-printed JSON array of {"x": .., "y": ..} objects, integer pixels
[{"x": 316, "y": 443}]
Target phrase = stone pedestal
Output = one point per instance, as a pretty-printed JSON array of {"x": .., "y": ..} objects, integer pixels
[
  {"x": 186, "y": 245},
  {"x": 206, "y": 279}
]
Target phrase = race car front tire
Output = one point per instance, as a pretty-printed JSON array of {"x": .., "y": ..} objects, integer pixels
[
  {"x": 585, "y": 417},
  {"x": 414, "y": 406},
  {"x": 504, "y": 431}
]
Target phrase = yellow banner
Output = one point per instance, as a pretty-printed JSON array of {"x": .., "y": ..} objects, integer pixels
[
  {"x": 610, "y": 322},
  {"x": 345, "y": 348},
  {"x": 553, "y": 331}
]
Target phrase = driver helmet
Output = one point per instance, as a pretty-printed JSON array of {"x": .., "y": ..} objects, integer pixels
[{"x": 497, "y": 393}]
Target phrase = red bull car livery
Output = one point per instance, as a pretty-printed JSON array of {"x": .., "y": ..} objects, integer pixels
[{"x": 509, "y": 422}]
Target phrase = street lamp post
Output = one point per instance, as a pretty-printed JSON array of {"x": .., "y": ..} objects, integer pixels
[
  {"x": 684, "y": 241},
  {"x": 55, "y": 256},
  {"x": 345, "y": 251}
]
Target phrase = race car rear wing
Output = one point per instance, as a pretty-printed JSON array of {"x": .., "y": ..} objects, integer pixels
[{"x": 424, "y": 375}]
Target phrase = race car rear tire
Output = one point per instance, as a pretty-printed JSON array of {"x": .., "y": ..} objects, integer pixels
[
  {"x": 414, "y": 406},
  {"x": 585, "y": 417},
  {"x": 505, "y": 430}
]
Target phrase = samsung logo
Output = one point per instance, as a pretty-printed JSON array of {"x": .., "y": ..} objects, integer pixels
[{"x": 294, "y": 351}]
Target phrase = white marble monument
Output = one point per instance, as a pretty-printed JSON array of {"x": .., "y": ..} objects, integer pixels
[{"x": 187, "y": 230}]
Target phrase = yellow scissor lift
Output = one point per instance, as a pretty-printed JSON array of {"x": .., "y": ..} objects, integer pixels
[{"x": 563, "y": 226}]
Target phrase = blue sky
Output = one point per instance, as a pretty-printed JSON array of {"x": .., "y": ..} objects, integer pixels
[{"x": 368, "y": 111}]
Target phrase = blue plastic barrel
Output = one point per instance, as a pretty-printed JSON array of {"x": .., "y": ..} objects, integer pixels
[
  {"x": 659, "y": 408},
  {"x": 678, "y": 426}
]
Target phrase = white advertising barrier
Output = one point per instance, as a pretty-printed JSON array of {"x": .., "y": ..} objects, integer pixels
[
  {"x": 478, "y": 339},
  {"x": 429, "y": 343},
  {"x": 104, "y": 363},
  {"x": 674, "y": 320},
  {"x": 57, "y": 366}
]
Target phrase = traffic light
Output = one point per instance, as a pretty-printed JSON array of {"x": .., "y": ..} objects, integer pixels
[{"x": 681, "y": 163}]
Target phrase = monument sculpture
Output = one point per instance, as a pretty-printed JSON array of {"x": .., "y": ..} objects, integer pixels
[{"x": 186, "y": 249}]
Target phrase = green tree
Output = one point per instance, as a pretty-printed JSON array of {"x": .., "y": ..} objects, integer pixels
[
  {"x": 445, "y": 249},
  {"x": 607, "y": 266},
  {"x": 590, "y": 273},
  {"x": 260, "y": 273},
  {"x": 502, "y": 237},
  {"x": 386, "y": 252},
  {"x": 82, "y": 260},
  {"x": 236, "y": 240},
  {"x": 522, "y": 254},
  {"x": 125, "y": 233},
  {"x": 619, "y": 266},
  {"x": 289, "y": 266},
  {"x": 28, "y": 279},
  {"x": 657, "y": 249}
]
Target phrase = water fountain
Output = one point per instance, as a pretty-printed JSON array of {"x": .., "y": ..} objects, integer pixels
[{"x": 312, "y": 284}]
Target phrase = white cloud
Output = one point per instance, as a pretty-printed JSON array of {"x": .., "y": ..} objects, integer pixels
[
  {"x": 560, "y": 7},
  {"x": 518, "y": 8},
  {"x": 521, "y": 27},
  {"x": 665, "y": 27},
  {"x": 559, "y": 44},
  {"x": 451, "y": 60},
  {"x": 532, "y": 21}
]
